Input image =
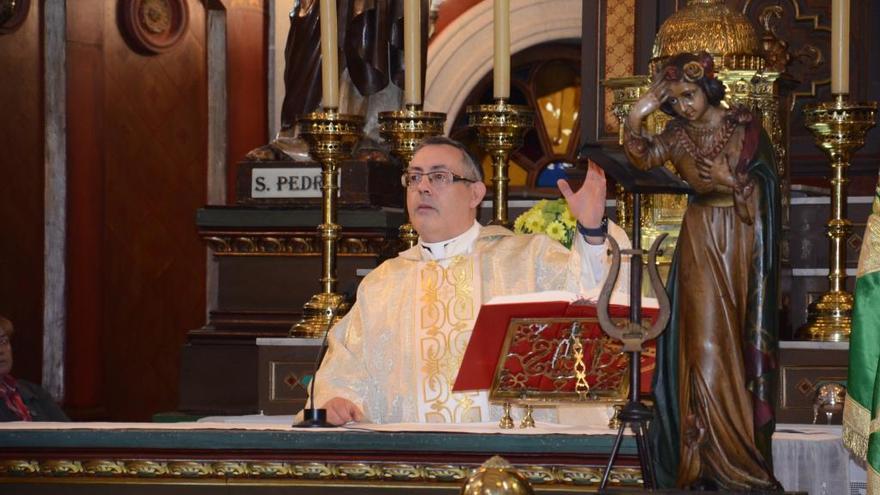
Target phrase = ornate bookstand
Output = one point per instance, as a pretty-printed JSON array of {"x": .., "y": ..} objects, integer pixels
[
  {"x": 542, "y": 353},
  {"x": 558, "y": 360}
]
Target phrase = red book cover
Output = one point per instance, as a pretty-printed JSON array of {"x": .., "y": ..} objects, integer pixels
[{"x": 486, "y": 344}]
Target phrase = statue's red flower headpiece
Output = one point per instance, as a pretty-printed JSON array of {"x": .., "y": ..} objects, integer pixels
[{"x": 692, "y": 71}]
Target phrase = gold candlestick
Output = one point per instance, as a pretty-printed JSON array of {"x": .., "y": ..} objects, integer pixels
[
  {"x": 404, "y": 130},
  {"x": 331, "y": 137},
  {"x": 500, "y": 127},
  {"x": 839, "y": 127}
]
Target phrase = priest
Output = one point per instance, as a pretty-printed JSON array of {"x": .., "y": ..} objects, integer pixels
[{"x": 394, "y": 357}]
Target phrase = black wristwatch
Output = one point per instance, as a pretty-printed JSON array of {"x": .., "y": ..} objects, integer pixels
[{"x": 600, "y": 231}]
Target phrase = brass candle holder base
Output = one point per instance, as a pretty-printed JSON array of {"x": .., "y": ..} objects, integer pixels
[
  {"x": 331, "y": 137},
  {"x": 320, "y": 313},
  {"x": 839, "y": 128},
  {"x": 500, "y": 127},
  {"x": 829, "y": 318},
  {"x": 404, "y": 130}
]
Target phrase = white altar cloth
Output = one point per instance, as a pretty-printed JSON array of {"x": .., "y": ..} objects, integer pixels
[
  {"x": 283, "y": 423},
  {"x": 812, "y": 458}
]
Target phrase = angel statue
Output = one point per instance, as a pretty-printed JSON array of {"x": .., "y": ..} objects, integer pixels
[{"x": 714, "y": 378}]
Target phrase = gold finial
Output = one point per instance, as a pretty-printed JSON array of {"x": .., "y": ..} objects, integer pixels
[
  {"x": 711, "y": 26},
  {"x": 496, "y": 477}
]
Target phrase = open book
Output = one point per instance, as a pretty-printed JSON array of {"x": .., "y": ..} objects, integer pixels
[
  {"x": 590, "y": 297},
  {"x": 524, "y": 343}
]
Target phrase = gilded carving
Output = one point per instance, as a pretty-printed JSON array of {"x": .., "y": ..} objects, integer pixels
[
  {"x": 359, "y": 471},
  {"x": 230, "y": 469},
  {"x": 155, "y": 16},
  {"x": 61, "y": 468},
  {"x": 582, "y": 475},
  {"x": 538, "y": 475},
  {"x": 146, "y": 468},
  {"x": 104, "y": 468},
  {"x": 447, "y": 473},
  {"x": 402, "y": 472},
  {"x": 19, "y": 467},
  {"x": 326, "y": 471},
  {"x": 312, "y": 470},
  {"x": 270, "y": 469},
  {"x": 152, "y": 26},
  {"x": 281, "y": 244},
  {"x": 190, "y": 469}
]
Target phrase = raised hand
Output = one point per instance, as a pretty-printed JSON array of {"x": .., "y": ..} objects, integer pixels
[
  {"x": 648, "y": 103},
  {"x": 587, "y": 205}
]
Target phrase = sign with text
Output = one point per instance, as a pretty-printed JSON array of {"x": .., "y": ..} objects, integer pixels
[{"x": 286, "y": 182}]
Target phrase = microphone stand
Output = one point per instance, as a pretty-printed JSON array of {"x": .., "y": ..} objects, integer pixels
[{"x": 312, "y": 417}]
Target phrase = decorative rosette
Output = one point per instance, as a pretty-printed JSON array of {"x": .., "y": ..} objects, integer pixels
[{"x": 693, "y": 71}]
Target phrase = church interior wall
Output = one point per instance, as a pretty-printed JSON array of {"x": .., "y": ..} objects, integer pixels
[
  {"x": 247, "y": 73},
  {"x": 140, "y": 267},
  {"x": 21, "y": 188},
  {"x": 137, "y": 160}
]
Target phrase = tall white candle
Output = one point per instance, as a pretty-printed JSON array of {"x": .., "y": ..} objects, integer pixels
[
  {"x": 840, "y": 46},
  {"x": 329, "y": 59},
  {"x": 502, "y": 49},
  {"x": 412, "y": 51}
]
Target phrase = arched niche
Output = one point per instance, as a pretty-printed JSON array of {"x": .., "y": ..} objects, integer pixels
[{"x": 461, "y": 55}]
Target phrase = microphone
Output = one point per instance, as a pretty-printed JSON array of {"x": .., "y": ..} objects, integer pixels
[{"x": 317, "y": 418}]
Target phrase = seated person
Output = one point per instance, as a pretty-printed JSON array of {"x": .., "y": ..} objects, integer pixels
[
  {"x": 21, "y": 400},
  {"x": 394, "y": 357}
]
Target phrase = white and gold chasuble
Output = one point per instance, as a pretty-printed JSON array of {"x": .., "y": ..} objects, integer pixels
[
  {"x": 449, "y": 299},
  {"x": 397, "y": 352}
]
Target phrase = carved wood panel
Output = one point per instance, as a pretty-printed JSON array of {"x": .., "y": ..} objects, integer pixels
[
  {"x": 137, "y": 173},
  {"x": 21, "y": 191},
  {"x": 804, "y": 26}
]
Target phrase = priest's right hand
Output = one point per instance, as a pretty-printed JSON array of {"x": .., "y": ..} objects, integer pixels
[{"x": 341, "y": 411}]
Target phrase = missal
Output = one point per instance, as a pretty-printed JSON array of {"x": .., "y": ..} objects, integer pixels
[{"x": 526, "y": 347}]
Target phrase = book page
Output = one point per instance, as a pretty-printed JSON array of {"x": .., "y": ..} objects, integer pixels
[{"x": 590, "y": 297}]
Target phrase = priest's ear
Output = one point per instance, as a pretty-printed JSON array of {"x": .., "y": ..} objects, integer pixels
[{"x": 478, "y": 192}]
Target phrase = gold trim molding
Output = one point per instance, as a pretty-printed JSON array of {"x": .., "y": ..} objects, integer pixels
[
  {"x": 321, "y": 471},
  {"x": 288, "y": 244}
]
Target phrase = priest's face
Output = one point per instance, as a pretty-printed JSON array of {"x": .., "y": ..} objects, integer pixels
[{"x": 442, "y": 205}]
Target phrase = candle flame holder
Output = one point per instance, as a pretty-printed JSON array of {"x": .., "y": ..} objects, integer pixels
[
  {"x": 404, "y": 130},
  {"x": 839, "y": 128},
  {"x": 331, "y": 137},
  {"x": 500, "y": 127}
]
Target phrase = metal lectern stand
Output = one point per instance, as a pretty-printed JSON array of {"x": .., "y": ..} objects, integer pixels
[{"x": 635, "y": 414}]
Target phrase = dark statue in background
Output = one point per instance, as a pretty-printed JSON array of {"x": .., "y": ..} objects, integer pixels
[
  {"x": 713, "y": 384},
  {"x": 370, "y": 63}
]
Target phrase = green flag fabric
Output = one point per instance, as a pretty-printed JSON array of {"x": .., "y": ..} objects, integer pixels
[{"x": 861, "y": 414}]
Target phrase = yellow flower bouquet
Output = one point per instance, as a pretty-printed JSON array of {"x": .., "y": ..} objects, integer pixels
[{"x": 551, "y": 217}]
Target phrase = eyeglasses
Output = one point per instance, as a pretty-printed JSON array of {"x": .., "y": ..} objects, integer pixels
[{"x": 437, "y": 179}]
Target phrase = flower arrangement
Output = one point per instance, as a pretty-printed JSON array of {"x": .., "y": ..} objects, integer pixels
[{"x": 551, "y": 217}]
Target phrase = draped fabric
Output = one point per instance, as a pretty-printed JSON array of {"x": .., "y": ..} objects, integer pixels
[
  {"x": 714, "y": 380},
  {"x": 370, "y": 360},
  {"x": 12, "y": 398},
  {"x": 21, "y": 400},
  {"x": 861, "y": 414},
  {"x": 370, "y": 34}
]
